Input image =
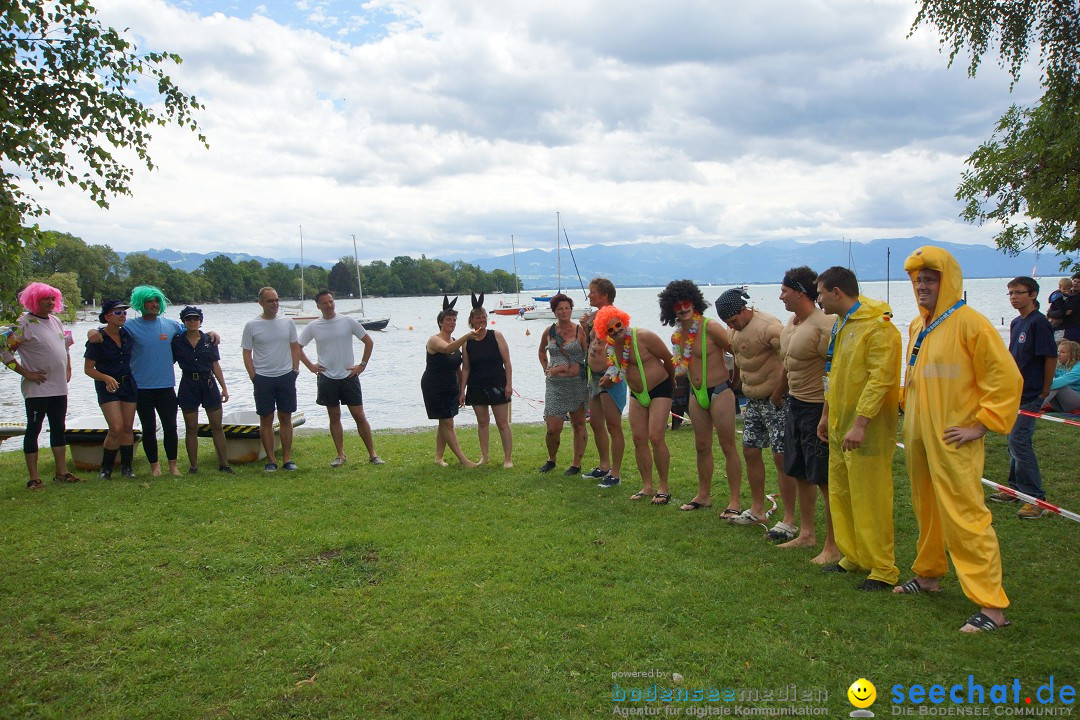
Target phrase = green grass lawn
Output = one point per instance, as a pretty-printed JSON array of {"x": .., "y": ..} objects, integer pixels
[{"x": 414, "y": 591}]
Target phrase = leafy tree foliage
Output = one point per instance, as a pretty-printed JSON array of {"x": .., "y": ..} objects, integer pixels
[
  {"x": 71, "y": 114},
  {"x": 1026, "y": 175}
]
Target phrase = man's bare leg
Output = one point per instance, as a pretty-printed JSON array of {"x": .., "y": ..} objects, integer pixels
[
  {"x": 266, "y": 434},
  {"x": 788, "y": 489},
  {"x": 701, "y": 422},
  {"x": 755, "y": 477},
  {"x": 659, "y": 411},
  {"x": 363, "y": 428},
  {"x": 722, "y": 410},
  {"x": 285, "y": 432},
  {"x": 613, "y": 422},
  {"x": 807, "y": 495},
  {"x": 829, "y": 552},
  {"x": 598, "y": 423},
  {"x": 639, "y": 432},
  {"x": 333, "y": 412}
]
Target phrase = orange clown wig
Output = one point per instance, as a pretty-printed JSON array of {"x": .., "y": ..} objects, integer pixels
[{"x": 607, "y": 315}]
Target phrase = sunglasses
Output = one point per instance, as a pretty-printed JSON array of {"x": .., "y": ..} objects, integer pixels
[
  {"x": 118, "y": 313},
  {"x": 615, "y": 327},
  {"x": 683, "y": 306}
]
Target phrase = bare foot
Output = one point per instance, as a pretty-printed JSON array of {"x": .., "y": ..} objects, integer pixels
[
  {"x": 826, "y": 557},
  {"x": 508, "y": 464},
  {"x": 468, "y": 463},
  {"x": 155, "y": 469},
  {"x": 441, "y": 463},
  {"x": 484, "y": 461},
  {"x": 174, "y": 471},
  {"x": 807, "y": 541}
]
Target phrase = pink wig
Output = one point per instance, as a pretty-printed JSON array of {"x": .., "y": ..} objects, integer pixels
[
  {"x": 35, "y": 292},
  {"x": 603, "y": 318}
]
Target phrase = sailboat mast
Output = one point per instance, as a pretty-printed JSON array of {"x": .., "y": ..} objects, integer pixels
[
  {"x": 359, "y": 287},
  {"x": 558, "y": 248},
  {"x": 301, "y": 267},
  {"x": 516, "y": 285}
]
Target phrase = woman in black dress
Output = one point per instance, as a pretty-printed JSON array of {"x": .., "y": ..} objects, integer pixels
[
  {"x": 486, "y": 381},
  {"x": 441, "y": 382},
  {"x": 109, "y": 363}
]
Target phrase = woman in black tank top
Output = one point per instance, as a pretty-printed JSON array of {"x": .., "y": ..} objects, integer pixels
[{"x": 486, "y": 380}]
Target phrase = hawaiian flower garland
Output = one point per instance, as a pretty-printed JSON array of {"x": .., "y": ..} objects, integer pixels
[
  {"x": 617, "y": 371},
  {"x": 681, "y": 348}
]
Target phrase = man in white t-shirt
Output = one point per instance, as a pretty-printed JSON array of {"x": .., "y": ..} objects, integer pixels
[
  {"x": 272, "y": 359},
  {"x": 338, "y": 376}
]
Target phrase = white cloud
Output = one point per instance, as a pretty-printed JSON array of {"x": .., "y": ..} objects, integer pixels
[{"x": 454, "y": 124}]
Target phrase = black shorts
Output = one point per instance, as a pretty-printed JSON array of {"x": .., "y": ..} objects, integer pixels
[
  {"x": 332, "y": 393},
  {"x": 271, "y": 392},
  {"x": 805, "y": 456},
  {"x": 662, "y": 390},
  {"x": 127, "y": 392},
  {"x": 485, "y": 395},
  {"x": 198, "y": 390}
]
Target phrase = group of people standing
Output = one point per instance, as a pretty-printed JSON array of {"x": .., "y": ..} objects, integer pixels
[
  {"x": 131, "y": 362},
  {"x": 823, "y": 392}
]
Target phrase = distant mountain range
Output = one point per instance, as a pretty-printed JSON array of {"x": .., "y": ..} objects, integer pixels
[
  {"x": 656, "y": 264},
  {"x": 651, "y": 264},
  {"x": 188, "y": 261}
]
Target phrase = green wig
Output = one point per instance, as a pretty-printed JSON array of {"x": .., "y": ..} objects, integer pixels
[{"x": 143, "y": 293}]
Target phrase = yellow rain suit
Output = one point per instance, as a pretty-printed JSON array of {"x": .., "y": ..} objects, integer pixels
[
  {"x": 864, "y": 379},
  {"x": 963, "y": 374}
]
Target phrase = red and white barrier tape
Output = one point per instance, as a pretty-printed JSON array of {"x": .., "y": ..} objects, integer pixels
[
  {"x": 1026, "y": 498},
  {"x": 1051, "y": 418}
]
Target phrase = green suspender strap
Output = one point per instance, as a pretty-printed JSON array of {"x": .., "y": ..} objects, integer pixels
[
  {"x": 643, "y": 397},
  {"x": 701, "y": 393}
]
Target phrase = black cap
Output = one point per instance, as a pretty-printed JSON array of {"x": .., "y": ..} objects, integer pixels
[
  {"x": 191, "y": 311},
  {"x": 109, "y": 306}
]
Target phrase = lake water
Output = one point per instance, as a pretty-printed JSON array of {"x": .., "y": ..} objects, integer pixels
[{"x": 391, "y": 384}]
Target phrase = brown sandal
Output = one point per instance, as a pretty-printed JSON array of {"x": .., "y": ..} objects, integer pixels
[
  {"x": 68, "y": 478},
  {"x": 35, "y": 484}
]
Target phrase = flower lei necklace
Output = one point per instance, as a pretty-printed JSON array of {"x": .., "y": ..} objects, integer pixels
[
  {"x": 681, "y": 348},
  {"x": 617, "y": 371}
]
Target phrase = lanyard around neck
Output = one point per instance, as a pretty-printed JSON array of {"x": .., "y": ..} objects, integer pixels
[{"x": 836, "y": 328}]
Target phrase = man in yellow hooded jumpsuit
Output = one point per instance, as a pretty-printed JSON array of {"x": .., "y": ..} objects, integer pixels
[
  {"x": 960, "y": 382},
  {"x": 862, "y": 400}
]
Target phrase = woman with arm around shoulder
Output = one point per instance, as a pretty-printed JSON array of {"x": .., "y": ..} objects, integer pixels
[
  {"x": 108, "y": 362},
  {"x": 441, "y": 382},
  {"x": 486, "y": 381},
  {"x": 562, "y": 356}
]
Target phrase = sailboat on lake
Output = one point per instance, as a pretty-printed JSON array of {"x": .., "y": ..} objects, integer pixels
[
  {"x": 368, "y": 323},
  {"x": 506, "y": 307},
  {"x": 546, "y": 313}
]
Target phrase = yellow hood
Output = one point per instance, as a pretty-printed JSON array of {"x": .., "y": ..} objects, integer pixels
[{"x": 952, "y": 278}]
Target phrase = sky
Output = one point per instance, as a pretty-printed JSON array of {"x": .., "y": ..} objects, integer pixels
[{"x": 443, "y": 127}]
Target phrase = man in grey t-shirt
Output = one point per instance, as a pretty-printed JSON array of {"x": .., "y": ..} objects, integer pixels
[
  {"x": 338, "y": 373},
  {"x": 272, "y": 359}
]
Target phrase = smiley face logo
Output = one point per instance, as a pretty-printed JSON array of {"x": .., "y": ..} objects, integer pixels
[{"x": 862, "y": 693}]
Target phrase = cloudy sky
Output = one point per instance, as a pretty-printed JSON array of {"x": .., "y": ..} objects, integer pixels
[{"x": 444, "y": 126}]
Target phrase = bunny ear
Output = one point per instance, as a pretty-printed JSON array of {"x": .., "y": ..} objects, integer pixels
[
  {"x": 452, "y": 303},
  {"x": 477, "y": 303},
  {"x": 446, "y": 304}
]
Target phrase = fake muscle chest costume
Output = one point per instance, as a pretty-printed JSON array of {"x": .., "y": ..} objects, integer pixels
[
  {"x": 864, "y": 379},
  {"x": 962, "y": 374}
]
